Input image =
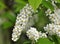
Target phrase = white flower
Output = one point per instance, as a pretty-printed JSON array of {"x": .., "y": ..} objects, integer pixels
[
  {"x": 33, "y": 34},
  {"x": 21, "y": 21}
]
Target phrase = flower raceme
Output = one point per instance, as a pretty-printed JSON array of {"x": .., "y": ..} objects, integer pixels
[
  {"x": 33, "y": 34},
  {"x": 52, "y": 29},
  {"x": 54, "y": 26},
  {"x": 21, "y": 21}
]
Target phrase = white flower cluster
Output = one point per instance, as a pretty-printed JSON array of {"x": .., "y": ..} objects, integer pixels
[
  {"x": 42, "y": 35},
  {"x": 21, "y": 21},
  {"x": 55, "y": 17},
  {"x": 16, "y": 33},
  {"x": 33, "y": 34},
  {"x": 54, "y": 27}
]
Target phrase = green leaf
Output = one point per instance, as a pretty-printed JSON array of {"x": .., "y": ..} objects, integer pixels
[
  {"x": 44, "y": 41},
  {"x": 55, "y": 39},
  {"x": 58, "y": 38},
  {"x": 6, "y": 25},
  {"x": 35, "y": 3},
  {"x": 48, "y": 5},
  {"x": 26, "y": 42}
]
